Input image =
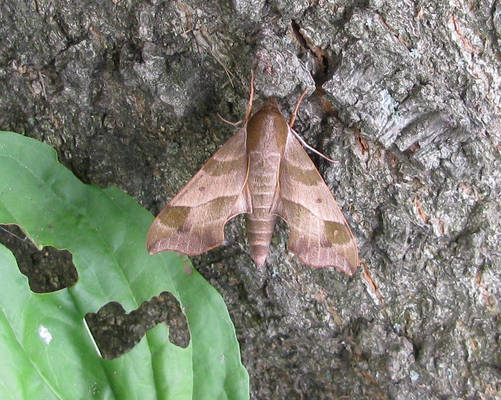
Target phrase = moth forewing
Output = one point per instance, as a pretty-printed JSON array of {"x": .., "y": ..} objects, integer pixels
[
  {"x": 193, "y": 221},
  {"x": 319, "y": 234}
]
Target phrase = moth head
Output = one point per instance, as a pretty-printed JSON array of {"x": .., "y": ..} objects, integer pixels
[{"x": 270, "y": 104}]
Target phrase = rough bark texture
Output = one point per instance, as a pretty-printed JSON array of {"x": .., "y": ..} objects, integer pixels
[{"x": 407, "y": 98}]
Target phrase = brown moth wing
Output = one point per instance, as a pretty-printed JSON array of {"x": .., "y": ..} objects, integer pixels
[
  {"x": 319, "y": 234},
  {"x": 193, "y": 221}
]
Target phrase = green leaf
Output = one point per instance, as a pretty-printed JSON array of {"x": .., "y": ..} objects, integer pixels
[{"x": 45, "y": 351}]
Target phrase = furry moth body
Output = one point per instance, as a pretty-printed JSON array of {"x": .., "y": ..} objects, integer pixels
[{"x": 264, "y": 172}]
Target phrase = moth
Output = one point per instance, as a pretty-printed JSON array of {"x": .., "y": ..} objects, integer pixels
[{"x": 264, "y": 172}]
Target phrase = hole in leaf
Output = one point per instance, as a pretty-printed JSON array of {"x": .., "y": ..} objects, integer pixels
[
  {"x": 115, "y": 332},
  {"x": 48, "y": 270},
  {"x": 179, "y": 333}
]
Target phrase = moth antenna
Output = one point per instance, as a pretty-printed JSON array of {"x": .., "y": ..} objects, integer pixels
[
  {"x": 235, "y": 124},
  {"x": 251, "y": 97},
  {"x": 311, "y": 148},
  {"x": 296, "y": 107},
  {"x": 249, "y": 107}
]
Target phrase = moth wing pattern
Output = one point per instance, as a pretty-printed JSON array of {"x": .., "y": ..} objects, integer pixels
[
  {"x": 193, "y": 221},
  {"x": 319, "y": 234}
]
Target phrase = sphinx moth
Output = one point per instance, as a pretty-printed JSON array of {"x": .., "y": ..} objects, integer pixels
[{"x": 264, "y": 172}]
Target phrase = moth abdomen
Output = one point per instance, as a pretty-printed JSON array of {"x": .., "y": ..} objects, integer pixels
[{"x": 259, "y": 231}]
